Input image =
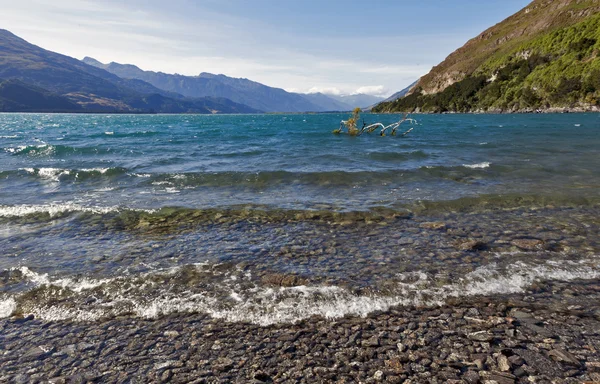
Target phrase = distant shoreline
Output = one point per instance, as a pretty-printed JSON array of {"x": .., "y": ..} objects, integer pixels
[
  {"x": 495, "y": 112},
  {"x": 556, "y": 110}
]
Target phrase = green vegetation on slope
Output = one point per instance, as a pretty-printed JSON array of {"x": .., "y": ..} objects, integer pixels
[{"x": 559, "y": 68}]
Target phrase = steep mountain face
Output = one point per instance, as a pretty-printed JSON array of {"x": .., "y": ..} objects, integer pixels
[
  {"x": 401, "y": 93},
  {"x": 544, "y": 56},
  {"x": 16, "y": 96},
  {"x": 86, "y": 87},
  {"x": 244, "y": 91}
]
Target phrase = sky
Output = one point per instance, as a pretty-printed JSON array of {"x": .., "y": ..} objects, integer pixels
[{"x": 376, "y": 47}]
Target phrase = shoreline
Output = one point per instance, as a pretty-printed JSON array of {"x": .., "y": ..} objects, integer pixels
[
  {"x": 519, "y": 338},
  {"x": 554, "y": 110}
]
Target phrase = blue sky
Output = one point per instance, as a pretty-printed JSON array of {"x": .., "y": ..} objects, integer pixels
[{"x": 333, "y": 46}]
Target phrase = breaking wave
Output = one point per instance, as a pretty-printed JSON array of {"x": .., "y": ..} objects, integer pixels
[
  {"x": 478, "y": 165},
  {"x": 234, "y": 296},
  {"x": 53, "y": 210},
  {"x": 47, "y": 150}
]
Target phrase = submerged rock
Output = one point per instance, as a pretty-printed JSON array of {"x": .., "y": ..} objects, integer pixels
[
  {"x": 433, "y": 225},
  {"x": 528, "y": 244}
]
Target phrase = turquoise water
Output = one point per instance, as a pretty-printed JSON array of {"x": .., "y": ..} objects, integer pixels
[
  {"x": 90, "y": 203},
  {"x": 289, "y": 161}
]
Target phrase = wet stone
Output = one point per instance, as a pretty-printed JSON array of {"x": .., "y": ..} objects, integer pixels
[
  {"x": 433, "y": 225},
  {"x": 371, "y": 342},
  {"x": 503, "y": 363},
  {"x": 472, "y": 245},
  {"x": 471, "y": 377},
  {"x": 564, "y": 357},
  {"x": 502, "y": 377},
  {"x": 528, "y": 244},
  {"x": 484, "y": 336},
  {"x": 223, "y": 364}
]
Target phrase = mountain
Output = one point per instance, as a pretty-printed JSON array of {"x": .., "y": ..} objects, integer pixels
[
  {"x": 327, "y": 102},
  {"x": 544, "y": 56},
  {"x": 244, "y": 91},
  {"x": 401, "y": 93},
  {"x": 357, "y": 100},
  {"x": 16, "y": 96},
  {"x": 58, "y": 78}
]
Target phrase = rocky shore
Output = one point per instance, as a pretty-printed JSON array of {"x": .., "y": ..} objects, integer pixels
[{"x": 550, "y": 334}]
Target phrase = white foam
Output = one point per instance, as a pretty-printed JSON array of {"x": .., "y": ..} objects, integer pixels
[
  {"x": 51, "y": 209},
  {"x": 7, "y": 307},
  {"x": 52, "y": 174},
  {"x": 99, "y": 170},
  {"x": 15, "y": 149},
  {"x": 265, "y": 306},
  {"x": 41, "y": 149},
  {"x": 109, "y": 133},
  {"x": 76, "y": 285},
  {"x": 478, "y": 165}
]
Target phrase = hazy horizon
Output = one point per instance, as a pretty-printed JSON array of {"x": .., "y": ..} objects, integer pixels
[{"x": 333, "y": 47}]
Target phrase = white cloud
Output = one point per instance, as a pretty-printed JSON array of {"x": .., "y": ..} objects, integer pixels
[
  {"x": 325, "y": 90},
  {"x": 394, "y": 69},
  {"x": 374, "y": 90},
  {"x": 188, "y": 39}
]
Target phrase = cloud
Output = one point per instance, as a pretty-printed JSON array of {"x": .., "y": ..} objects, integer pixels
[
  {"x": 325, "y": 90},
  {"x": 410, "y": 70},
  {"x": 374, "y": 90},
  {"x": 189, "y": 38}
]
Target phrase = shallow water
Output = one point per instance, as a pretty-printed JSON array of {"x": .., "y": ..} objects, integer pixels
[{"x": 269, "y": 218}]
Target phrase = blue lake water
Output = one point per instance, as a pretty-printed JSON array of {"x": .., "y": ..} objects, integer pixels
[{"x": 270, "y": 218}]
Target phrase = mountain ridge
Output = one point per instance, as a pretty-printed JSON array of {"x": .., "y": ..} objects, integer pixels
[
  {"x": 240, "y": 90},
  {"x": 46, "y": 75},
  {"x": 544, "y": 57}
]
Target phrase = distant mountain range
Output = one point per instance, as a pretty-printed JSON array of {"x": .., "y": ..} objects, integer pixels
[
  {"x": 544, "y": 57},
  {"x": 34, "y": 79},
  {"x": 244, "y": 91}
]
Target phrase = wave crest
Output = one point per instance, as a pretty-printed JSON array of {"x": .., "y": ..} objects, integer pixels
[{"x": 233, "y": 296}]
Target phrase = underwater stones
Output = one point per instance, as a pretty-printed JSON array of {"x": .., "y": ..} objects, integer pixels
[
  {"x": 471, "y": 245},
  {"x": 37, "y": 353},
  {"x": 438, "y": 225},
  {"x": 528, "y": 244},
  {"x": 282, "y": 280}
]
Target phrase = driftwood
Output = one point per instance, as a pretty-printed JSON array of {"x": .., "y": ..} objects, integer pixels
[{"x": 350, "y": 126}]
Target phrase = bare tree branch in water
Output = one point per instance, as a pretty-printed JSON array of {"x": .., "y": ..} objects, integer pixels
[{"x": 350, "y": 125}]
